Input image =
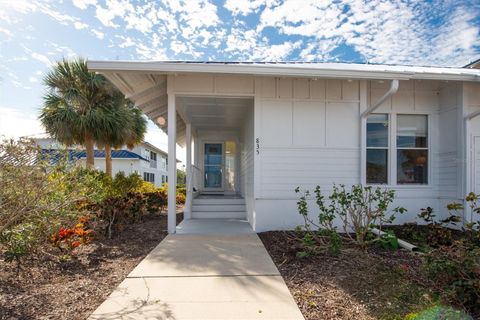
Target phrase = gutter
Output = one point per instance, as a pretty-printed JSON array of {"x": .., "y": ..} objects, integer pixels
[{"x": 391, "y": 91}]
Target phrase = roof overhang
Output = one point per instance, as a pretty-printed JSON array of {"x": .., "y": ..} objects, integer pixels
[{"x": 319, "y": 70}]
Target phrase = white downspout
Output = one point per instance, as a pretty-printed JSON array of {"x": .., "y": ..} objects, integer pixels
[{"x": 391, "y": 91}]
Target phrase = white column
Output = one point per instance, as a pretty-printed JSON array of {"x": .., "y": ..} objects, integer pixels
[
  {"x": 188, "y": 142},
  {"x": 172, "y": 159}
]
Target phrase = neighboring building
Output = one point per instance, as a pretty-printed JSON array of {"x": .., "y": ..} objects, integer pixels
[
  {"x": 262, "y": 129},
  {"x": 473, "y": 65},
  {"x": 145, "y": 159}
]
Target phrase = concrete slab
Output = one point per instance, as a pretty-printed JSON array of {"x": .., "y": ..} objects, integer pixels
[
  {"x": 203, "y": 277},
  {"x": 214, "y": 226},
  {"x": 243, "y": 297},
  {"x": 207, "y": 255}
]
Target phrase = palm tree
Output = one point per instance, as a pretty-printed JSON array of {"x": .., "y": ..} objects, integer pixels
[
  {"x": 76, "y": 106},
  {"x": 128, "y": 129}
]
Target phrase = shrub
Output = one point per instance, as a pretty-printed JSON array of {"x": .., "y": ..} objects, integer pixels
[
  {"x": 359, "y": 209},
  {"x": 40, "y": 193},
  {"x": 180, "y": 199},
  {"x": 156, "y": 201},
  {"x": 119, "y": 211},
  {"x": 73, "y": 237},
  {"x": 438, "y": 233},
  {"x": 455, "y": 272}
]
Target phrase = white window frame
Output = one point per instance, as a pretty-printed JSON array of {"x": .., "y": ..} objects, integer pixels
[
  {"x": 388, "y": 147},
  {"x": 392, "y": 153}
]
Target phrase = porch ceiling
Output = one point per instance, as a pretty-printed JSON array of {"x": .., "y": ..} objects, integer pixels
[
  {"x": 214, "y": 112},
  {"x": 149, "y": 93}
]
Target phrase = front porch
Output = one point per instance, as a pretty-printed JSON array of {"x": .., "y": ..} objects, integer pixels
[{"x": 217, "y": 149}]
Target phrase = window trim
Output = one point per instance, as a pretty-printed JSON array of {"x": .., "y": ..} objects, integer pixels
[
  {"x": 379, "y": 148},
  {"x": 392, "y": 153}
]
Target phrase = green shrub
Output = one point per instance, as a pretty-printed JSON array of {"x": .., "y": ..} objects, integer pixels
[
  {"x": 358, "y": 209},
  {"x": 40, "y": 193},
  {"x": 156, "y": 201},
  {"x": 455, "y": 272}
]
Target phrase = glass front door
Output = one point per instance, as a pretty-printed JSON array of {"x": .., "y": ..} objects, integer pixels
[{"x": 213, "y": 166}]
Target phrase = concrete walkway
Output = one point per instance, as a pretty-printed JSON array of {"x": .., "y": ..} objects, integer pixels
[{"x": 203, "y": 276}]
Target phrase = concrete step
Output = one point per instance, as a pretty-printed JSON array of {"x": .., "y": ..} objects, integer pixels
[
  {"x": 218, "y": 207},
  {"x": 216, "y": 201},
  {"x": 219, "y": 215}
]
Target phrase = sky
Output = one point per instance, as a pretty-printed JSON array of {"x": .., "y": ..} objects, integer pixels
[{"x": 34, "y": 34}]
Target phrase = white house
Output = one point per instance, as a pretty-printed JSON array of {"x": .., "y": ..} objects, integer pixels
[
  {"x": 255, "y": 131},
  {"x": 145, "y": 159}
]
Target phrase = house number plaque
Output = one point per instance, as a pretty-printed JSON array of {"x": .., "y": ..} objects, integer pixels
[{"x": 257, "y": 142}]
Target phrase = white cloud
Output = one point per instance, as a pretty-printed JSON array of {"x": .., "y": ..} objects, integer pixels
[
  {"x": 243, "y": 7},
  {"x": 32, "y": 79},
  {"x": 42, "y": 58},
  {"x": 80, "y": 25},
  {"x": 15, "y": 124},
  {"x": 83, "y": 4},
  {"x": 100, "y": 35}
]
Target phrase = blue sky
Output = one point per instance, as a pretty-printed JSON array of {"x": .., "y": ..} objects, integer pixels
[{"x": 34, "y": 34}]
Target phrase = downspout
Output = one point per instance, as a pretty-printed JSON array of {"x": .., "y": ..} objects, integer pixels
[
  {"x": 394, "y": 84},
  {"x": 391, "y": 91}
]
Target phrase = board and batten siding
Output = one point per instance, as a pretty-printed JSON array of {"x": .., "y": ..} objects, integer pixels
[{"x": 309, "y": 133}]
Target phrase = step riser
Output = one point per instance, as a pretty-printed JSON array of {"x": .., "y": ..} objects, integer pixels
[
  {"x": 217, "y": 201},
  {"x": 220, "y": 207},
  {"x": 219, "y": 215}
]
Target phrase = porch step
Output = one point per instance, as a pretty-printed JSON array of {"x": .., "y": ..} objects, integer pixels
[
  {"x": 217, "y": 201},
  {"x": 218, "y": 207},
  {"x": 219, "y": 214}
]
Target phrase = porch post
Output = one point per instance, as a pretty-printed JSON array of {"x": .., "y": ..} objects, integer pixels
[
  {"x": 188, "y": 139},
  {"x": 172, "y": 158}
]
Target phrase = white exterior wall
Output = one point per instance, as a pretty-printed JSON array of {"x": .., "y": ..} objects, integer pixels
[
  {"x": 471, "y": 103},
  {"x": 128, "y": 166},
  {"x": 247, "y": 165},
  {"x": 308, "y": 134},
  {"x": 144, "y": 166}
]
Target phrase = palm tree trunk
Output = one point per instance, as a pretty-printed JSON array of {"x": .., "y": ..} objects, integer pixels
[
  {"x": 108, "y": 160},
  {"x": 89, "y": 150}
]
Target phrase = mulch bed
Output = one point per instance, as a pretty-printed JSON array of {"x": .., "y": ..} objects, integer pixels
[
  {"x": 352, "y": 285},
  {"x": 73, "y": 289}
]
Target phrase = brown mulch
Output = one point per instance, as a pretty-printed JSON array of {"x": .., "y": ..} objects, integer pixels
[
  {"x": 352, "y": 285},
  {"x": 48, "y": 289}
]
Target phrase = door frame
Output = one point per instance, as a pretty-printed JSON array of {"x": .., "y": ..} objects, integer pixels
[
  {"x": 473, "y": 163},
  {"x": 222, "y": 188}
]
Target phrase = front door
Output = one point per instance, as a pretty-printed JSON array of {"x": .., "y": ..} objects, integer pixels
[{"x": 213, "y": 166}]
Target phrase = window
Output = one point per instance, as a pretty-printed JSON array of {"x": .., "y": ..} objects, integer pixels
[
  {"x": 412, "y": 149},
  {"x": 153, "y": 156},
  {"x": 149, "y": 177},
  {"x": 377, "y": 149}
]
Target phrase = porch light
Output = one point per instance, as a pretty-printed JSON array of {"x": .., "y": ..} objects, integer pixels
[{"x": 161, "y": 121}]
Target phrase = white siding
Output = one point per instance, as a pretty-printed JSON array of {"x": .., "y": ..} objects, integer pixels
[
  {"x": 311, "y": 137},
  {"x": 247, "y": 165}
]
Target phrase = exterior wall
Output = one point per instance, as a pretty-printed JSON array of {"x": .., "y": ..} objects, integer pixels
[
  {"x": 310, "y": 135},
  {"x": 128, "y": 166},
  {"x": 471, "y": 103},
  {"x": 160, "y": 171},
  {"x": 247, "y": 165}
]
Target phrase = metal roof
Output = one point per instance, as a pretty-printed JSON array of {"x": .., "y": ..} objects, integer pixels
[
  {"x": 81, "y": 154},
  {"x": 291, "y": 68}
]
